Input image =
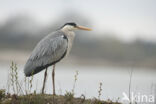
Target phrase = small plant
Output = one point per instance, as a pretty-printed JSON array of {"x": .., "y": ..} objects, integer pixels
[
  {"x": 13, "y": 82},
  {"x": 100, "y": 90},
  {"x": 30, "y": 81},
  {"x": 14, "y": 79},
  {"x": 2, "y": 94},
  {"x": 28, "y": 84},
  {"x": 75, "y": 80},
  {"x": 25, "y": 83},
  {"x": 69, "y": 97}
]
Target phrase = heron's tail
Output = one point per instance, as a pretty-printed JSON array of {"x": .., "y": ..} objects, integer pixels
[{"x": 31, "y": 69}]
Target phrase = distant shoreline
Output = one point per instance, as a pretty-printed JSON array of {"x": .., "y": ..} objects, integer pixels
[{"x": 20, "y": 56}]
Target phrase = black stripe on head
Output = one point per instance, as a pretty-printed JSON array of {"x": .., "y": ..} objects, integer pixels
[{"x": 70, "y": 23}]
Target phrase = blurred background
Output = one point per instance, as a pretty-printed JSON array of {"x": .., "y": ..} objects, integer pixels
[{"x": 123, "y": 38}]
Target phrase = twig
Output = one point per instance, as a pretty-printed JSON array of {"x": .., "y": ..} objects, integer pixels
[{"x": 130, "y": 82}]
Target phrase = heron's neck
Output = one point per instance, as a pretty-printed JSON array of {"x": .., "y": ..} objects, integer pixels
[{"x": 70, "y": 35}]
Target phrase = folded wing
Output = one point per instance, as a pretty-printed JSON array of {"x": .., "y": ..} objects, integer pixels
[{"x": 48, "y": 51}]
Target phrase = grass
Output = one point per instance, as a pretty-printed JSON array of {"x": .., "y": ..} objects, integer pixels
[
  {"x": 68, "y": 98},
  {"x": 22, "y": 93}
]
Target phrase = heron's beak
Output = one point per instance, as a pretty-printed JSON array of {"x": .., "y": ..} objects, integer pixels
[{"x": 84, "y": 28}]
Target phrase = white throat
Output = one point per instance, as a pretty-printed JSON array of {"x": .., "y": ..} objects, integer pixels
[{"x": 69, "y": 32}]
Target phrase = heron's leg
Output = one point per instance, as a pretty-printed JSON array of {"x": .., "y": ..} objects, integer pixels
[
  {"x": 44, "y": 81},
  {"x": 53, "y": 79}
]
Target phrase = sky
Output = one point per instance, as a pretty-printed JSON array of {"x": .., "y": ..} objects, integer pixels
[{"x": 127, "y": 19}]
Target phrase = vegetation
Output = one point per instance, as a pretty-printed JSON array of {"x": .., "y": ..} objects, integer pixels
[
  {"x": 68, "y": 98},
  {"x": 22, "y": 93}
]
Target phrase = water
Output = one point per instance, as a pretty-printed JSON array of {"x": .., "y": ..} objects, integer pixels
[{"x": 115, "y": 81}]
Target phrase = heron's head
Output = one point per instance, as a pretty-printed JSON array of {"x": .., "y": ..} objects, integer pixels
[{"x": 73, "y": 26}]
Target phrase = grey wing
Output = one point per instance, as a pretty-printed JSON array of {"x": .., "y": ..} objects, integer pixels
[{"x": 48, "y": 51}]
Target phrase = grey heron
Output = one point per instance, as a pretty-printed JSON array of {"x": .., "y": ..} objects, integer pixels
[{"x": 50, "y": 50}]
